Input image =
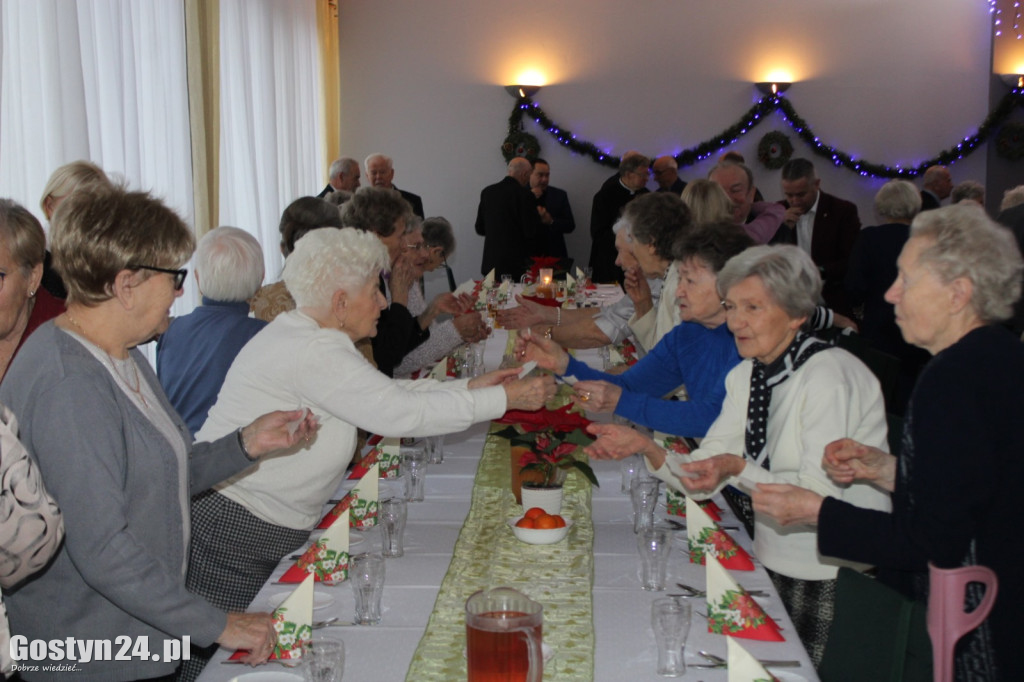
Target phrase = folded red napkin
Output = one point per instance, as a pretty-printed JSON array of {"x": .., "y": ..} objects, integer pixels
[
  {"x": 561, "y": 419},
  {"x": 731, "y": 611},
  {"x": 550, "y": 302}
]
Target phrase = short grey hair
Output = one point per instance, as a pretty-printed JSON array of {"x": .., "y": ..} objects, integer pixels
[
  {"x": 632, "y": 163},
  {"x": 1012, "y": 197},
  {"x": 658, "y": 218},
  {"x": 325, "y": 261},
  {"x": 437, "y": 231},
  {"x": 897, "y": 200},
  {"x": 787, "y": 272},
  {"x": 967, "y": 243},
  {"x": 376, "y": 155},
  {"x": 229, "y": 264},
  {"x": 968, "y": 189},
  {"x": 341, "y": 166}
]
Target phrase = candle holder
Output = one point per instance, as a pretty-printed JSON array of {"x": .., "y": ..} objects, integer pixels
[{"x": 545, "y": 283}]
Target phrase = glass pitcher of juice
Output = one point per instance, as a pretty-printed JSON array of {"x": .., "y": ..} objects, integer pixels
[{"x": 503, "y": 636}]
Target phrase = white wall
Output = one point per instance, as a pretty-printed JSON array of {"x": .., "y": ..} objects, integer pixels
[{"x": 891, "y": 82}]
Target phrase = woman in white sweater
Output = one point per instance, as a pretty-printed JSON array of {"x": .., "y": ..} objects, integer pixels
[
  {"x": 307, "y": 357},
  {"x": 792, "y": 396}
]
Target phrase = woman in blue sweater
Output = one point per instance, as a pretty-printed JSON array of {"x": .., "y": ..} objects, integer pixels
[{"x": 697, "y": 353}]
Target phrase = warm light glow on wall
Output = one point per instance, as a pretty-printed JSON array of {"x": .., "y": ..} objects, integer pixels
[
  {"x": 779, "y": 76},
  {"x": 529, "y": 77}
]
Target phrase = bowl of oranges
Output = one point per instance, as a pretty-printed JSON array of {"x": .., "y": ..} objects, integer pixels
[{"x": 537, "y": 527}]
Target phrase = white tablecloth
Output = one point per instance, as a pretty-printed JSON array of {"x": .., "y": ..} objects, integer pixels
[{"x": 625, "y": 648}]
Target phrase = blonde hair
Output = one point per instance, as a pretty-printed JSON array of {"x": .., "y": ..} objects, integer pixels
[
  {"x": 67, "y": 179},
  {"x": 22, "y": 234}
]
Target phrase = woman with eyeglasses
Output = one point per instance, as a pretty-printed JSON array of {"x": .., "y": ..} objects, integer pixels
[
  {"x": 432, "y": 244},
  {"x": 114, "y": 454},
  {"x": 24, "y": 304}
]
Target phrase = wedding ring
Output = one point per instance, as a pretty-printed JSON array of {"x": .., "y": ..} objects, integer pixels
[{"x": 584, "y": 395}]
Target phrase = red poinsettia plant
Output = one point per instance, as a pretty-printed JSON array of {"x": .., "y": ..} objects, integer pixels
[{"x": 552, "y": 455}]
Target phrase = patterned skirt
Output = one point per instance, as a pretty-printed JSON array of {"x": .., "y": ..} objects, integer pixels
[
  {"x": 233, "y": 554},
  {"x": 811, "y": 607}
]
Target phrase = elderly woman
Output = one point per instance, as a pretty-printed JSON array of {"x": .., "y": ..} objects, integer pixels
[
  {"x": 63, "y": 181},
  {"x": 873, "y": 268},
  {"x": 194, "y": 354},
  {"x": 447, "y": 335},
  {"x": 298, "y": 218},
  {"x": 655, "y": 221},
  {"x": 246, "y": 525},
  {"x": 955, "y": 486},
  {"x": 698, "y": 352},
  {"x": 791, "y": 396},
  {"x": 23, "y": 304},
  {"x": 114, "y": 454},
  {"x": 386, "y": 214}
]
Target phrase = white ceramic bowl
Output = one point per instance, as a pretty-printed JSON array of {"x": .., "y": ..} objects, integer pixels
[{"x": 539, "y": 536}]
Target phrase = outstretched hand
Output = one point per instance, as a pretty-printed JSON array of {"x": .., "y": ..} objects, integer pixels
[
  {"x": 545, "y": 352},
  {"x": 278, "y": 431},
  {"x": 846, "y": 461}
]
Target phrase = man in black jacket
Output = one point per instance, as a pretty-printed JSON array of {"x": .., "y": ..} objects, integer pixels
[{"x": 507, "y": 219}]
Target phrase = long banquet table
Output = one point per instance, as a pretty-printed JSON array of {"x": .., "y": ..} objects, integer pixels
[{"x": 623, "y": 648}]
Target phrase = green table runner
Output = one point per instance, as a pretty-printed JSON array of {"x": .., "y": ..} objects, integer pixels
[{"x": 487, "y": 554}]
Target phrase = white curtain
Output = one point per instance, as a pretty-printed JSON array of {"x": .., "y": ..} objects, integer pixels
[
  {"x": 102, "y": 80},
  {"x": 270, "y": 115}
]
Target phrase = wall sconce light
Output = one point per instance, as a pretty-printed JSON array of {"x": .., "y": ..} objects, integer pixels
[
  {"x": 522, "y": 91},
  {"x": 1014, "y": 81},
  {"x": 768, "y": 88}
]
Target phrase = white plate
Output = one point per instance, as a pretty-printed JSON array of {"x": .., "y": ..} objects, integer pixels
[
  {"x": 269, "y": 676},
  {"x": 320, "y": 600}
]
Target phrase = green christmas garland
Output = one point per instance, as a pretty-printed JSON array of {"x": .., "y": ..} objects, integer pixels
[
  {"x": 752, "y": 117},
  {"x": 1010, "y": 141}
]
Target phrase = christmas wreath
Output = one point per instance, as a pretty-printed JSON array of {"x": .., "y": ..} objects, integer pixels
[
  {"x": 520, "y": 144},
  {"x": 774, "y": 150}
]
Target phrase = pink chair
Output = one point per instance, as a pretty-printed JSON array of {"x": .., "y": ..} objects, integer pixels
[{"x": 947, "y": 620}]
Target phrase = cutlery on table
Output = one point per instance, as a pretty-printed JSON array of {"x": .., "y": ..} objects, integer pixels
[
  {"x": 694, "y": 592},
  {"x": 331, "y": 623},
  {"x": 719, "y": 662},
  {"x": 682, "y": 526}
]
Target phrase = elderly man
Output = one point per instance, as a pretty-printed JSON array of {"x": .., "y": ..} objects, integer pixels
[
  {"x": 343, "y": 176},
  {"x": 552, "y": 208},
  {"x": 760, "y": 219},
  {"x": 194, "y": 354},
  {"x": 666, "y": 174},
  {"x": 823, "y": 225},
  {"x": 380, "y": 171},
  {"x": 938, "y": 184},
  {"x": 507, "y": 219},
  {"x": 615, "y": 193}
]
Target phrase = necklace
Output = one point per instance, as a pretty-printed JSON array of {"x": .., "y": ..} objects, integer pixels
[{"x": 132, "y": 382}]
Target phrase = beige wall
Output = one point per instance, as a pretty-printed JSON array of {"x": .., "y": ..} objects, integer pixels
[{"x": 421, "y": 81}]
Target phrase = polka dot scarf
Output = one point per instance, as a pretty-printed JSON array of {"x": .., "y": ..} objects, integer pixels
[{"x": 763, "y": 379}]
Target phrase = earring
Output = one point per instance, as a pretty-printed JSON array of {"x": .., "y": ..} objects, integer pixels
[{"x": 31, "y": 294}]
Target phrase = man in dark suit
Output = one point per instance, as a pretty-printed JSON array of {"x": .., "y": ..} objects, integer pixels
[
  {"x": 508, "y": 221},
  {"x": 552, "y": 208},
  {"x": 615, "y": 193},
  {"x": 821, "y": 224},
  {"x": 666, "y": 174},
  {"x": 938, "y": 184},
  {"x": 343, "y": 176},
  {"x": 380, "y": 171}
]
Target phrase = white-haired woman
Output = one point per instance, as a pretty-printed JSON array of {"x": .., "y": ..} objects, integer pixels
[
  {"x": 194, "y": 354},
  {"x": 308, "y": 356},
  {"x": 956, "y": 484},
  {"x": 791, "y": 396}
]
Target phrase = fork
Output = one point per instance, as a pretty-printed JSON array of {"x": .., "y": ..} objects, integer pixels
[{"x": 720, "y": 662}]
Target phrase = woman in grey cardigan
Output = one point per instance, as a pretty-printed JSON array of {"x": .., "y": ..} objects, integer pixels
[{"x": 114, "y": 454}]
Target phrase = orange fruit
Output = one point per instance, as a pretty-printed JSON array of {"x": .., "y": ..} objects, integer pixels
[
  {"x": 559, "y": 521},
  {"x": 546, "y": 521},
  {"x": 534, "y": 512},
  {"x": 525, "y": 523}
]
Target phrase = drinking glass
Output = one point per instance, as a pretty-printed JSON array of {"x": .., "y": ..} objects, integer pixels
[
  {"x": 391, "y": 517},
  {"x": 414, "y": 469},
  {"x": 435, "y": 449},
  {"x": 366, "y": 571},
  {"x": 630, "y": 470},
  {"x": 670, "y": 620},
  {"x": 654, "y": 545},
  {"x": 323, "y": 660},
  {"x": 644, "y": 494},
  {"x": 477, "y": 351}
]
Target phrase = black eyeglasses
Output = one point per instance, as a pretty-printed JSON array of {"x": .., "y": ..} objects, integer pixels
[{"x": 179, "y": 275}]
